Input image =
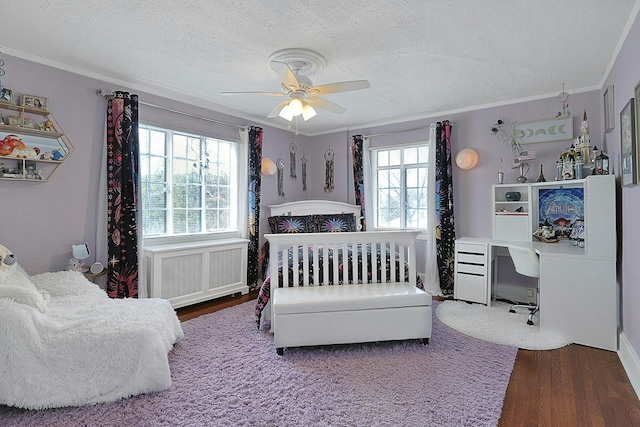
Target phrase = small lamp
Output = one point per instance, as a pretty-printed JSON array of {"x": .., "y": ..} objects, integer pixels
[
  {"x": 467, "y": 159},
  {"x": 80, "y": 252}
]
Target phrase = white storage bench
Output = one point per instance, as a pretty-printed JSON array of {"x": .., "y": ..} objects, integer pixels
[
  {"x": 374, "y": 304},
  {"x": 342, "y": 314}
]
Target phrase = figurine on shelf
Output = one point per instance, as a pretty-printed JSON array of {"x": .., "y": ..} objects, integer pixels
[
  {"x": 583, "y": 142},
  {"x": 546, "y": 233},
  {"x": 9, "y": 144}
]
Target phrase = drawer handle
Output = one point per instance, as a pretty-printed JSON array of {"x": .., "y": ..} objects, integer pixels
[
  {"x": 471, "y": 263},
  {"x": 471, "y": 274}
]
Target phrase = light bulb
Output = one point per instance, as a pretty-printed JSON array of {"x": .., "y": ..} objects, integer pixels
[
  {"x": 286, "y": 113},
  {"x": 296, "y": 107},
  {"x": 308, "y": 112}
]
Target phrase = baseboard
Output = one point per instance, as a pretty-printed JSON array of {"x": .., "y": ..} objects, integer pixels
[{"x": 630, "y": 362}]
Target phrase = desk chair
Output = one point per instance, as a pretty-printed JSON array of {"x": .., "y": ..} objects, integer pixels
[{"x": 527, "y": 263}]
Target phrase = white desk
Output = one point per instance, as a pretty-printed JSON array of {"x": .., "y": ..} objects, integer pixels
[{"x": 578, "y": 295}]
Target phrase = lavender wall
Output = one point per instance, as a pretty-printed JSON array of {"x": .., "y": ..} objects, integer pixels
[
  {"x": 40, "y": 221},
  {"x": 624, "y": 76}
]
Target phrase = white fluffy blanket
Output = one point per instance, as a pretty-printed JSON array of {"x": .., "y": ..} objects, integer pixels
[{"x": 85, "y": 347}]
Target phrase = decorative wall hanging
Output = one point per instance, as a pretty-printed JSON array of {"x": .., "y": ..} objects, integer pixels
[
  {"x": 628, "y": 149},
  {"x": 609, "y": 110},
  {"x": 280, "y": 164},
  {"x": 303, "y": 159},
  {"x": 292, "y": 160},
  {"x": 328, "y": 176},
  {"x": 1, "y": 72},
  {"x": 560, "y": 129}
]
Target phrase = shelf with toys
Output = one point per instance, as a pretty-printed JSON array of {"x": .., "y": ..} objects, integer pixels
[{"x": 32, "y": 144}]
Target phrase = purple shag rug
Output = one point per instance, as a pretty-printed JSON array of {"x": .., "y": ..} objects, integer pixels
[{"x": 226, "y": 372}]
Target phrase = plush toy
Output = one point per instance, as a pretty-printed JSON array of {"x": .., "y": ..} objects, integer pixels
[
  {"x": 10, "y": 143},
  {"x": 52, "y": 155},
  {"x": 15, "y": 285},
  {"x": 7, "y": 262},
  {"x": 26, "y": 153}
]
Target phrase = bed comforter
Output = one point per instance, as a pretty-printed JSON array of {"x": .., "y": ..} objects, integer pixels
[{"x": 85, "y": 347}]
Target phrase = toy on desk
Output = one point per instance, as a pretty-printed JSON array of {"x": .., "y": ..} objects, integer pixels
[
  {"x": 577, "y": 233},
  {"x": 546, "y": 233}
]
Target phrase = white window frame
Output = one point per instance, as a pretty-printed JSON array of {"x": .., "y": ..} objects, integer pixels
[
  {"x": 238, "y": 193},
  {"x": 373, "y": 194}
]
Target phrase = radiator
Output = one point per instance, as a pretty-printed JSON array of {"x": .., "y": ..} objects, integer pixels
[{"x": 189, "y": 273}]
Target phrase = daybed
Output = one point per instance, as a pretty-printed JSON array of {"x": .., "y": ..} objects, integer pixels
[
  {"x": 64, "y": 342},
  {"x": 340, "y": 287}
]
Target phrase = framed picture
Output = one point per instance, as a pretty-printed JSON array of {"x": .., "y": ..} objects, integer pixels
[
  {"x": 37, "y": 102},
  {"x": 6, "y": 95},
  {"x": 628, "y": 149},
  {"x": 609, "y": 110},
  {"x": 559, "y": 129}
]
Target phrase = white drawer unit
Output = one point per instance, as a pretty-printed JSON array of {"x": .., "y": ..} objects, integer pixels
[{"x": 471, "y": 271}]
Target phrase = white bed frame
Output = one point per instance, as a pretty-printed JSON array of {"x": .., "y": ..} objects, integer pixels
[
  {"x": 310, "y": 207},
  {"x": 379, "y": 305}
]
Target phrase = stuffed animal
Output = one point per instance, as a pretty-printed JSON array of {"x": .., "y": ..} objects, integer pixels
[
  {"x": 26, "y": 153},
  {"x": 52, "y": 155},
  {"x": 16, "y": 286},
  {"x": 10, "y": 143},
  {"x": 7, "y": 260}
]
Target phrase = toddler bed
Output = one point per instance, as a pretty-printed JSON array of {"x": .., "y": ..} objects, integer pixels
[{"x": 375, "y": 286}]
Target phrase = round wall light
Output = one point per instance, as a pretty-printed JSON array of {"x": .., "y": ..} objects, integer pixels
[
  {"x": 268, "y": 167},
  {"x": 467, "y": 159}
]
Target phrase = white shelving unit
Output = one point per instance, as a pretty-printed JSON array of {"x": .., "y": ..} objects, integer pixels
[
  {"x": 32, "y": 169},
  {"x": 512, "y": 219},
  {"x": 578, "y": 292}
]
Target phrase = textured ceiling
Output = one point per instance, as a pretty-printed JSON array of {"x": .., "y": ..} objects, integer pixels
[{"x": 422, "y": 57}]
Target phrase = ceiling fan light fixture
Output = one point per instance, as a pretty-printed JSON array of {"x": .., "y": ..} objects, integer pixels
[
  {"x": 286, "y": 113},
  {"x": 295, "y": 106},
  {"x": 308, "y": 112}
]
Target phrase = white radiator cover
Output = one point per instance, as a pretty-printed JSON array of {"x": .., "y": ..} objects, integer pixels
[{"x": 189, "y": 273}]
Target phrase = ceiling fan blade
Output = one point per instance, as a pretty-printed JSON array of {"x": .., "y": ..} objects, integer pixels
[
  {"x": 254, "y": 93},
  {"x": 325, "y": 105},
  {"x": 276, "y": 110},
  {"x": 339, "y": 87},
  {"x": 286, "y": 75}
]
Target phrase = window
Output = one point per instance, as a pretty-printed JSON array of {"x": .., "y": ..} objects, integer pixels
[
  {"x": 189, "y": 183},
  {"x": 401, "y": 180}
]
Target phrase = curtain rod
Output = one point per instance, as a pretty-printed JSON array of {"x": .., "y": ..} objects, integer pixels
[
  {"x": 402, "y": 131},
  {"x": 106, "y": 94}
]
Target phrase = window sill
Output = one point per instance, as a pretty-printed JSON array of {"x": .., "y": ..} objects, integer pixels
[{"x": 170, "y": 246}]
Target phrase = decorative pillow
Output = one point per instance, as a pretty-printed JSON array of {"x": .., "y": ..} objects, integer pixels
[
  {"x": 291, "y": 224},
  {"x": 328, "y": 223}
]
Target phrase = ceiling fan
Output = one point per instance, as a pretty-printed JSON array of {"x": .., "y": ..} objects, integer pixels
[{"x": 293, "y": 66}]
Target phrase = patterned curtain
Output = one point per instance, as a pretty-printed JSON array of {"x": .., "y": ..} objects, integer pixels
[
  {"x": 445, "y": 224},
  {"x": 122, "y": 200},
  {"x": 255, "y": 180},
  {"x": 357, "y": 144}
]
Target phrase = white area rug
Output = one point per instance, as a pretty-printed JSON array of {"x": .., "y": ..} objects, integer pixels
[{"x": 495, "y": 324}]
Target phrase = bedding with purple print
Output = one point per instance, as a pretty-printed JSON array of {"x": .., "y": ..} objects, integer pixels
[{"x": 331, "y": 223}]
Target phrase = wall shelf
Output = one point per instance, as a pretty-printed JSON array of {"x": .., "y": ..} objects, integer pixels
[{"x": 33, "y": 168}]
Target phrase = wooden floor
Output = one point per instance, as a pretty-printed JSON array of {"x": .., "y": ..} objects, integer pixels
[{"x": 571, "y": 386}]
